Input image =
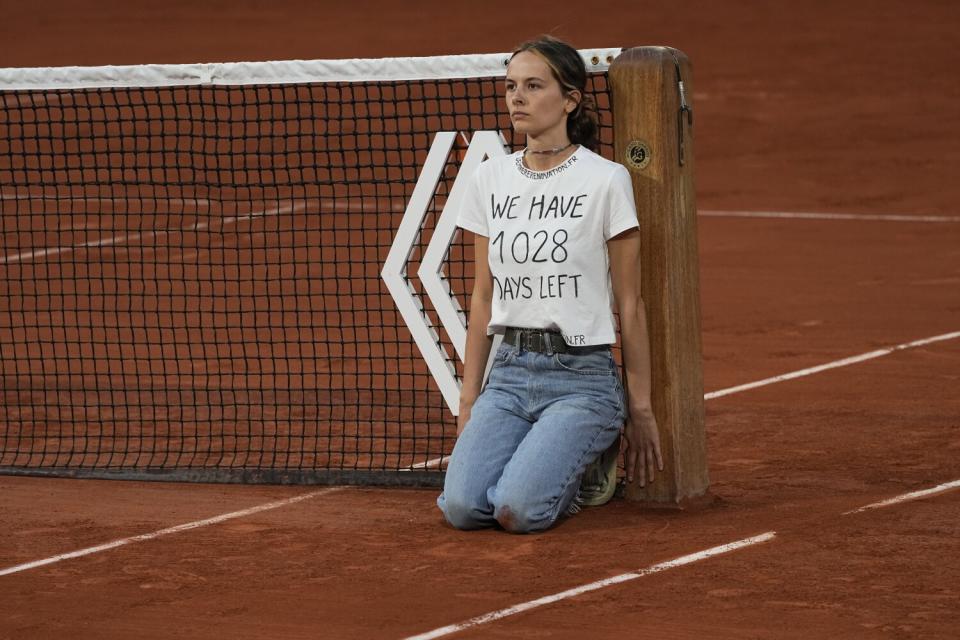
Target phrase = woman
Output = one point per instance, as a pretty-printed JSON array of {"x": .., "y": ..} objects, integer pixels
[{"x": 555, "y": 226}]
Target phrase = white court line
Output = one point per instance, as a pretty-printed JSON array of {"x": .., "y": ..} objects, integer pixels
[
  {"x": 106, "y": 242},
  {"x": 831, "y": 365},
  {"x": 29, "y": 197},
  {"x": 593, "y": 586},
  {"x": 164, "y": 532},
  {"x": 788, "y": 376},
  {"x": 338, "y": 207},
  {"x": 345, "y": 204},
  {"x": 913, "y": 495},
  {"x": 827, "y": 216},
  {"x": 428, "y": 464}
]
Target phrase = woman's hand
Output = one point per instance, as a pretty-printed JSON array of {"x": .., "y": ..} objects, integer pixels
[
  {"x": 640, "y": 430},
  {"x": 643, "y": 445}
]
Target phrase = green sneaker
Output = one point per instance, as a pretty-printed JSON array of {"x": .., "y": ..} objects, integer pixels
[{"x": 599, "y": 481}]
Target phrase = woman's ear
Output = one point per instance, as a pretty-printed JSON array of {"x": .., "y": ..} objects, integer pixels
[{"x": 573, "y": 100}]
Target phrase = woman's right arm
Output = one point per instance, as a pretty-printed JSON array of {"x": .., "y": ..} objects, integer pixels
[{"x": 478, "y": 342}]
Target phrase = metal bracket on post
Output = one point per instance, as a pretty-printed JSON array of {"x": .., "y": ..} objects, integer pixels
[{"x": 684, "y": 108}]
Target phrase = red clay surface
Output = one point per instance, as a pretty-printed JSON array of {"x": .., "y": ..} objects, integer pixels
[{"x": 823, "y": 107}]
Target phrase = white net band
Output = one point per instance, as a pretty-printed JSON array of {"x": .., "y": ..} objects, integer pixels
[{"x": 277, "y": 72}]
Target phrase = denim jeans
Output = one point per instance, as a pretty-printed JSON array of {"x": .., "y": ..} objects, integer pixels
[{"x": 540, "y": 420}]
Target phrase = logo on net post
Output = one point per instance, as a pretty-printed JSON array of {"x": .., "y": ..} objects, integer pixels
[{"x": 483, "y": 144}]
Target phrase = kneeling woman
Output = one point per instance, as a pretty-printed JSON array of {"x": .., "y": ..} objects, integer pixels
[{"x": 555, "y": 226}]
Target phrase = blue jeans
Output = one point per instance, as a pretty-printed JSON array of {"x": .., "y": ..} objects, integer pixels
[{"x": 533, "y": 430}]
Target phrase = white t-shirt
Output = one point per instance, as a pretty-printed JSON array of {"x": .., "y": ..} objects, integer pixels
[{"x": 548, "y": 234}]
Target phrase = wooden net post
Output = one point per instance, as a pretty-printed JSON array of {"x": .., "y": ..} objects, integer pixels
[{"x": 653, "y": 138}]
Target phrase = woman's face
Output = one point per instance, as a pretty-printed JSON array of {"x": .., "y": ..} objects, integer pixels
[{"x": 537, "y": 104}]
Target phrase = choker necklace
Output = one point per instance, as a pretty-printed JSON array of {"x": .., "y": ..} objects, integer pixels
[{"x": 547, "y": 152}]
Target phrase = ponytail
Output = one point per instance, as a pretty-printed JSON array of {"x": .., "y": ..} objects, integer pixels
[{"x": 582, "y": 125}]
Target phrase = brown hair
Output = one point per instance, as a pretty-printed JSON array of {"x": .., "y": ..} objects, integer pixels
[{"x": 570, "y": 71}]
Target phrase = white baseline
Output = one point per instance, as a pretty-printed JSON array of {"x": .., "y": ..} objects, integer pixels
[
  {"x": 593, "y": 586},
  {"x": 125, "y": 239},
  {"x": 165, "y": 532},
  {"x": 801, "y": 215},
  {"x": 832, "y": 365},
  {"x": 326, "y": 205},
  {"x": 913, "y": 495}
]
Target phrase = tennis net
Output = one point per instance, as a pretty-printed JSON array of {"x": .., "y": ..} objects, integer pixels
[{"x": 222, "y": 272}]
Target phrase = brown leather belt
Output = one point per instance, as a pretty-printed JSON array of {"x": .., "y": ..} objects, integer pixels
[{"x": 544, "y": 341}]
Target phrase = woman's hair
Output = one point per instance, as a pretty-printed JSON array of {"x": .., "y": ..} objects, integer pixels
[{"x": 570, "y": 71}]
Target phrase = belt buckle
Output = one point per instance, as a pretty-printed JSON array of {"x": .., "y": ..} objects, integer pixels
[{"x": 528, "y": 341}]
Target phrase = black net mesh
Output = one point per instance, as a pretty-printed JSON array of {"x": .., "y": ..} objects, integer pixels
[{"x": 191, "y": 278}]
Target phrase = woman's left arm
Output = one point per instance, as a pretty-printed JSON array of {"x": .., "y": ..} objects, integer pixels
[{"x": 640, "y": 430}]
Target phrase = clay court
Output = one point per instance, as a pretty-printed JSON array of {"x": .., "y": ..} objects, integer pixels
[{"x": 827, "y": 138}]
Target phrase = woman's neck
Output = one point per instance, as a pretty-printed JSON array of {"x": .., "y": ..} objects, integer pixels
[{"x": 543, "y": 155}]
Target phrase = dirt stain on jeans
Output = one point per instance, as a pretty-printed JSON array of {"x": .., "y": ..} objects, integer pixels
[{"x": 507, "y": 519}]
